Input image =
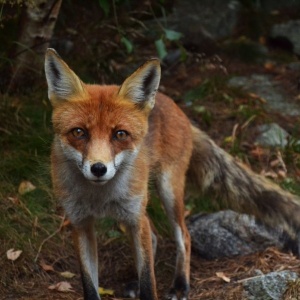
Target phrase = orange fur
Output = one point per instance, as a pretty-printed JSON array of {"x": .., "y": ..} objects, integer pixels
[{"x": 156, "y": 142}]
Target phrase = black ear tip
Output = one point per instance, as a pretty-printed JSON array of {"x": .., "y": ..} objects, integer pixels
[
  {"x": 52, "y": 52},
  {"x": 154, "y": 61}
]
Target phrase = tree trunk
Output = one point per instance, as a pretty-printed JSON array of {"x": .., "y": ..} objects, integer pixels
[{"x": 36, "y": 28}]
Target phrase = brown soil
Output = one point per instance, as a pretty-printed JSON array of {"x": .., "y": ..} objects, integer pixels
[{"x": 116, "y": 269}]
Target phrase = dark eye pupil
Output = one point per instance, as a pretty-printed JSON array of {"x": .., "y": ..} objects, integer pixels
[
  {"x": 78, "y": 132},
  {"x": 121, "y": 134}
]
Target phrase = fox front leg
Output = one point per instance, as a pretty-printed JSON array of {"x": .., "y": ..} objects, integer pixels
[
  {"x": 141, "y": 236},
  {"x": 86, "y": 247}
]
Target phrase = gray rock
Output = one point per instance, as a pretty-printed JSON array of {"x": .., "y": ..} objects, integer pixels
[
  {"x": 227, "y": 234},
  {"x": 201, "y": 22},
  {"x": 268, "y": 287},
  {"x": 294, "y": 66},
  {"x": 172, "y": 57},
  {"x": 267, "y": 88},
  {"x": 272, "y": 135},
  {"x": 217, "y": 17},
  {"x": 289, "y": 31}
]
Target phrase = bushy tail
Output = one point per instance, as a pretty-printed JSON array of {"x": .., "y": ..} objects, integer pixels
[{"x": 216, "y": 172}]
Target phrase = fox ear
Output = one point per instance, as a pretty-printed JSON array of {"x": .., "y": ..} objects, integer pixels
[
  {"x": 142, "y": 85},
  {"x": 63, "y": 83}
]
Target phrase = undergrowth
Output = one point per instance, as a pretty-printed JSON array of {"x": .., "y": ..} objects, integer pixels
[{"x": 25, "y": 219}]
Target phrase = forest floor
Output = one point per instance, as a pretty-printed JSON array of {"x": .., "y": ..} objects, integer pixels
[
  {"x": 29, "y": 279},
  {"x": 34, "y": 223}
]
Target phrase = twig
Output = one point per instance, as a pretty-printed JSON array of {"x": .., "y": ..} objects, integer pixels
[
  {"x": 248, "y": 122},
  {"x": 233, "y": 135},
  {"x": 25, "y": 207},
  {"x": 281, "y": 162},
  {"x": 155, "y": 18},
  {"x": 5, "y": 131},
  {"x": 249, "y": 278},
  {"x": 115, "y": 15},
  {"x": 49, "y": 237}
]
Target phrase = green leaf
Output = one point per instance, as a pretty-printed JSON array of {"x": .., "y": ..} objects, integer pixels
[
  {"x": 104, "y": 4},
  {"x": 161, "y": 48},
  {"x": 127, "y": 44},
  {"x": 183, "y": 53},
  {"x": 114, "y": 234},
  {"x": 172, "y": 35}
]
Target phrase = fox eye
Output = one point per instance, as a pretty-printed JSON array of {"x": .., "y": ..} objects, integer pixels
[
  {"x": 121, "y": 135},
  {"x": 78, "y": 133}
]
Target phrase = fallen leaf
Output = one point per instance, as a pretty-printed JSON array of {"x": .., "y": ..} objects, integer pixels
[
  {"x": 223, "y": 276},
  {"x": 122, "y": 228},
  {"x": 257, "y": 152},
  {"x": 253, "y": 95},
  {"x": 66, "y": 223},
  {"x": 228, "y": 139},
  {"x": 269, "y": 66},
  {"x": 269, "y": 174},
  {"x": 25, "y": 187},
  {"x": 275, "y": 163},
  {"x": 102, "y": 291},
  {"x": 62, "y": 286},
  {"x": 187, "y": 212},
  {"x": 46, "y": 267},
  {"x": 262, "y": 40},
  {"x": 281, "y": 173},
  {"x": 12, "y": 254},
  {"x": 297, "y": 171},
  {"x": 67, "y": 274},
  {"x": 14, "y": 200}
]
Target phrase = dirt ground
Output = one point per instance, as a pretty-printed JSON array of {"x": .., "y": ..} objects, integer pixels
[
  {"x": 115, "y": 259},
  {"x": 115, "y": 264}
]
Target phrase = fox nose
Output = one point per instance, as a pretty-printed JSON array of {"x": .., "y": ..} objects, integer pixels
[{"x": 98, "y": 169}]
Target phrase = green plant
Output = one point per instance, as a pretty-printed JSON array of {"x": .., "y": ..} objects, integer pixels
[
  {"x": 214, "y": 88},
  {"x": 166, "y": 36}
]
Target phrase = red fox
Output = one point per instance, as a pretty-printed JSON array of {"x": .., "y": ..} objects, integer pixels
[{"x": 110, "y": 140}]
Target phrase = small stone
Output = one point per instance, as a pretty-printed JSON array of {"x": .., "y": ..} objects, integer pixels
[
  {"x": 267, "y": 88},
  {"x": 272, "y": 135},
  {"x": 268, "y": 287},
  {"x": 289, "y": 31},
  {"x": 294, "y": 66}
]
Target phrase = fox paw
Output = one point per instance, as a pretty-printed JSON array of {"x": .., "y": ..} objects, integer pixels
[
  {"x": 132, "y": 290},
  {"x": 173, "y": 295},
  {"x": 180, "y": 289}
]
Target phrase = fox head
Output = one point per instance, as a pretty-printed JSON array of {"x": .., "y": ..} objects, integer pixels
[{"x": 100, "y": 128}]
